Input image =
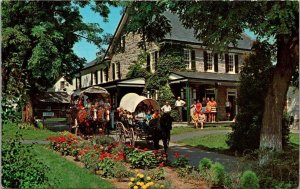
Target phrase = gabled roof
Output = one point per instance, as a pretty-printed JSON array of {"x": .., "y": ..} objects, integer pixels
[
  {"x": 180, "y": 33},
  {"x": 53, "y": 97}
]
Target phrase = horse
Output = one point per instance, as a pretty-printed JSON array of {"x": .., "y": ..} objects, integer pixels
[
  {"x": 160, "y": 130},
  {"x": 103, "y": 118}
]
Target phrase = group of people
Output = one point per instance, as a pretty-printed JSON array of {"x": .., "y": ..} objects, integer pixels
[
  {"x": 204, "y": 111},
  {"x": 141, "y": 117}
]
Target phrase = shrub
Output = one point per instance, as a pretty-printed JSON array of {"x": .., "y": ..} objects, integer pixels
[
  {"x": 249, "y": 180},
  {"x": 218, "y": 174},
  {"x": 20, "y": 168},
  {"x": 103, "y": 140},
  {"x": 204, "y": 164},
  {"x": 106, "y": 167},
  {"x": 142, "y": 159},
  {"x": 156, "y": 174},
  {"x": 90, "y": 159}
]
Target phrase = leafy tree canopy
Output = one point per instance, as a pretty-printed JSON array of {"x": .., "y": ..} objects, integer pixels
[{"x": 37, "y": 41}]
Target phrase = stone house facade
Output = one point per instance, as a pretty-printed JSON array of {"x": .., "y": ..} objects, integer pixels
[{"x": 208, "y": 74}]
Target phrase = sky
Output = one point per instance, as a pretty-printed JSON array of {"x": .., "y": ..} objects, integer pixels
[{"x": 87, "y": 50}]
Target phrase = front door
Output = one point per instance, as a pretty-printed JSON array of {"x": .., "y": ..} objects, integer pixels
[{"x": 231, "y": 95}]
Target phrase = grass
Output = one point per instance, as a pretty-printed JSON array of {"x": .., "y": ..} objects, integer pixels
[
  {"x": 180, "y": 130},
  {"x": 28, "y": 132},
  {"x": 294, "y": 138},
  {"x": 217, "y": 142},
  {"x": 213, "y": 142},
  {"x": 56, "y": 119},
  {"x": 65, "y": 174}
]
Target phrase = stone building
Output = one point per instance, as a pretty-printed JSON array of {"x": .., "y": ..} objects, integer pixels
[{"x": 208, "y": 74}]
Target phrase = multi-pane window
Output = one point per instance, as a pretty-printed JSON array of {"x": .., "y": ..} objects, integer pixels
[
  {"x": 210, "y": 61},
  {"x": 187, "y": 58},
  {"x": 95, "y": 78},
  {"x": 231, "y": 63},
  {"x": 153, "y": 61},
  {"x": 117, "y": 70},
  {"x": 104, "y": 76}
]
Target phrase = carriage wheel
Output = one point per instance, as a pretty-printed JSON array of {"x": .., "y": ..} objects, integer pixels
[
  {"x": 120, "y": 133},
  {"x": 132, "y": 137}
]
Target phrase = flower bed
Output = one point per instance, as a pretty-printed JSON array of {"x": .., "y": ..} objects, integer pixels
[{"x": 104, "y": 157}]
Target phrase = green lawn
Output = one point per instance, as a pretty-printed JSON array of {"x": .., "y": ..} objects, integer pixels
[
  {"x": 216, "y": 142},
  {"x": 294, "y": 138},
  {"x": 212, "y": 142},
  {"x": 29, "y": 133},
  {"x": 66, "y": 174},
  {"x": 180, "y": 130}
]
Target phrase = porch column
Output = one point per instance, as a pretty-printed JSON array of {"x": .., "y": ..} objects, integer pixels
[
  {"x": 217, "y": 100},
  {"x": 188, "y": 102}
]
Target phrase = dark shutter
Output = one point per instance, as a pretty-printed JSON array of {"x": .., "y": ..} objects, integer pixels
[
  {"x": 205, "y": 60},
  {"x": 101, "y": 76},
  {"x": 236, "y": 61},
  {"x": 226, "y": 63},
  {"x": 148, "y": 63},
  {"x": 119, "y": 70},
  {"x": 80, "y": 82},
  {"x": 114, "y": 71},
  {"x": 193, "y": 60},
  {"x": 216, "y": 62},
  {"x": 155, "y": 59}
]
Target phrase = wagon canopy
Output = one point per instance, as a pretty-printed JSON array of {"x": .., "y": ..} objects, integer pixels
[
  {"x": 130, "y": 101},
  {"x": 95, "y": 91}
]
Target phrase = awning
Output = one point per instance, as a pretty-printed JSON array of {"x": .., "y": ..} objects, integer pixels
[{"x": 130, "y": 101}]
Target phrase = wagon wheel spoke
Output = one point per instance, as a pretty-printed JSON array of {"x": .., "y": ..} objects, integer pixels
[{"x": 132, "y": 136}]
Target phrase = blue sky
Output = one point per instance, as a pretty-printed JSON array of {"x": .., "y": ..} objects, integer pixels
[{"x": 87, "y": 50}]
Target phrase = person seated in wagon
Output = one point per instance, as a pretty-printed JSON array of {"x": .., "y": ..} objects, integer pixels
[{"x": 140, "y": 117}]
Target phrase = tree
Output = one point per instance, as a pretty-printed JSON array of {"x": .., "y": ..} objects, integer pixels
[
  {"x": 255, "y": 77},
  {"x": 219, "y": 24},
  {"x": 37, "y": 42}
]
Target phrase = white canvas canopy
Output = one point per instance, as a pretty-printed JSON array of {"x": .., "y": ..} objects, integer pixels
[{"x": 130, "y": 101}]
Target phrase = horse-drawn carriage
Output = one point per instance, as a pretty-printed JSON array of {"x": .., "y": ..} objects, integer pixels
[
  {"x": 90, "y": 111},
  {"x": 129, "y": 126}
]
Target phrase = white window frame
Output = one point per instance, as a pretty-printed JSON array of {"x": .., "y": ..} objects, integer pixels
[
  {"x": 103, "y": 76},
  {"x": 231, "y": 55},
  {"x": 187, "y": 58},
  {"x": 152, "y": 62},
  {"x": 94, "y": 78},
  {"x": 210, "y": 59},
  {"x": 117, "y": 71}
]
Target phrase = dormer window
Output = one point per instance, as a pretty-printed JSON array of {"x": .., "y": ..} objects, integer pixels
[{"x": 62, "y": 85}]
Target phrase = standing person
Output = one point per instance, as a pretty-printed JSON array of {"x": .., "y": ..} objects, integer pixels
[
  {"x": 193, "y": 108},
  {"x": 213, "y": 110},
  {"x": 228, "y": 107},
  {"x": 166, "y": 108},
  {"x": 179, "y": 105},
  {"x": 208, "y": 110},
  {"x": 202, "y": 119},
  {"x": 198, "y": 107},
  {"x": 204, "y": 103}
]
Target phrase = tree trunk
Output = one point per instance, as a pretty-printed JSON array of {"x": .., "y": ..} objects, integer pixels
[
  {"x": 287, "y": 61},
  {"x": 27, "y": 113}
]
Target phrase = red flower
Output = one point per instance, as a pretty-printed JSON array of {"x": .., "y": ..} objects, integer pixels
[
  {"x": 176, "y": 155},
  {"x": 187, "y": 155},
  {"x": 145, "y": 149},
  {"x": 161, "y": 164}
]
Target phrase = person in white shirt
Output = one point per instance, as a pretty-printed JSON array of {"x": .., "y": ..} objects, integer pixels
[
  {"x": 166, "y": 108},
  {"x": 179, "y": 105}
]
